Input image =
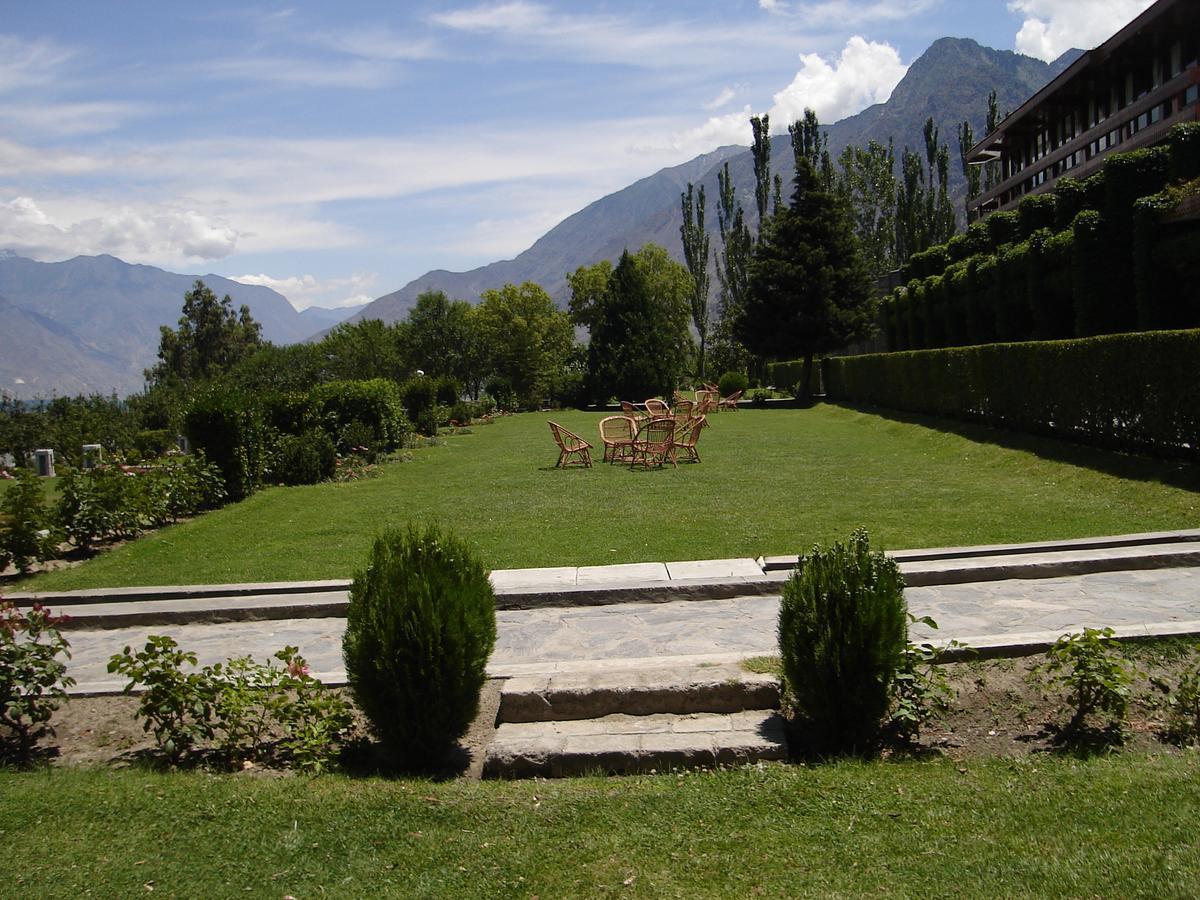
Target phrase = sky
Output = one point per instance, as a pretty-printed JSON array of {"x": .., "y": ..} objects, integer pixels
[{"x": 335, "y": 152}]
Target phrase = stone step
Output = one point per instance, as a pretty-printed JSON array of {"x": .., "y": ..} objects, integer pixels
[
  {"x": 720, "y": 688},
  {"x": 621, "y": 744}
]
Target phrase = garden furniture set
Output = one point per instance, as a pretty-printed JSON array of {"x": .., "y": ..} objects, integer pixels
[{"x": 647, "y": 435}]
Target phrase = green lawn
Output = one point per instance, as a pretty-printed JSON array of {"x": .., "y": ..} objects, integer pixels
[
  {"x": 1121, "y": 826},
  {"x": 772, "y": 482}
]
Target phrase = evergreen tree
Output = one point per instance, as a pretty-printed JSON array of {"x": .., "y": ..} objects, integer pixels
[
  {"x": 991, "y": 170},
  {"x": 640, "y": 342},
  {"x": 924, "y": 213},
  {"x": 733, "y": 267},
  {"x": 809, "y": 291},
  {"x": 695, "y": 254}
]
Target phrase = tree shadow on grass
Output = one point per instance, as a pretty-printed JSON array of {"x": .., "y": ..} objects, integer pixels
[
  {"x": 367, "y": 758},
  {"x": 1178, "y": 473}
]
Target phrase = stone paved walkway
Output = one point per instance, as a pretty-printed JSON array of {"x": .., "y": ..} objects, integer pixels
[{"x": 557, "y": 639}]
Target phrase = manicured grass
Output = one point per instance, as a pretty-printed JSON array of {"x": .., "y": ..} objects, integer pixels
[
  {"x": 771, "y": 482},
  {"x": 1117, "y": 827}
]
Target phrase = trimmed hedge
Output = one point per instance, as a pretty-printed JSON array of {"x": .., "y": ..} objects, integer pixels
[
  {"x": 785, "y": 376},
  {"x": 1131, "y": 392},
  {"x": 356, "y": 408},
  {"x": 229, "y": 429}
]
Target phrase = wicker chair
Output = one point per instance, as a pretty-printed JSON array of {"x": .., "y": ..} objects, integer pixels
[
  {"x": 616, "y": 433},
  {"x": 632, "y": 412},
  {"x": 680, "y": 397},
  {"x": 730, "y": 403},
  {"x": 684, "y": 410},
  {"x": 687, "y": 437},
  {"x": 706, "y": 402},
  {"x": 569, "y": 445},
  {"x": 654, "y": 443},
  {"x": 656, "y": 408}
]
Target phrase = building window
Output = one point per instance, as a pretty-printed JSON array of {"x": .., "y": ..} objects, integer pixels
[{"x": 1191, "y": 95}]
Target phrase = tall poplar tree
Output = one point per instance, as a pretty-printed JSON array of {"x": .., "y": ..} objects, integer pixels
[
  {"x": 695, "y": 254},
  {"x": 809, "y": 290}
]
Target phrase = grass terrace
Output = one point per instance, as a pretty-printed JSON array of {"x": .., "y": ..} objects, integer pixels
[
  {"x": 1120, "y": 826},
  {"x": 771, "y": 482}
]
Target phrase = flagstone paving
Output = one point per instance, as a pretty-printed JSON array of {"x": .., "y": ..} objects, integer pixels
[{"x": 558, "y": 639}]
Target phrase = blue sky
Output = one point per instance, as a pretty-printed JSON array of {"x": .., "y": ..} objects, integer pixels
[{"x": 336, "y": 151}]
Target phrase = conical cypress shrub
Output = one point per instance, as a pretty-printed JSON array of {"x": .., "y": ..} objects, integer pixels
[
  {"x": 420, "y": 627},
  {"x": 843, "y": 625}
]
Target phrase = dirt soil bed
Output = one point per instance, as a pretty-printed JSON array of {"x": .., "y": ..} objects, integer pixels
[{"x": 1002, "y": 708}]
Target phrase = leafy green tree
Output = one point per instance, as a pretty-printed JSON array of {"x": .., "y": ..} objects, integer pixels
[
  {"x": 695, "y": 253},
  {"x": 640, "y": 342},
  {"x": 869, "y": 185},
  {"x": 439, "y": 338},
  {"x": 588, "y": 284},
  {"x": 360, "y": 351},
  {"x": 528, "y": 339},
  {"x": 991, "y": 170},
  {"x": 275, "y": 369},
  {"x": 809, "y": 291},
  {"x": 210, "y": 340}
]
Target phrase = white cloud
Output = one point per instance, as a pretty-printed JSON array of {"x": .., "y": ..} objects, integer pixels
[
  {"x": 605, "y": 38},
  {"x": 69, "y": 119},
  {"x": 166, "y": 234},
  {"x": 1051, "y": 27},
  {"x": 865, "y": 73},
  {"x": 847, "y": 13},
  {"x": 23, "y": 160},
  {"x": 297, "y": 72},
  {"x": 716, "y": 131},
  {"x": 24, "y": 64},
  {"x": 303, "y": 291},
  {"x": 721, "y": 99}
]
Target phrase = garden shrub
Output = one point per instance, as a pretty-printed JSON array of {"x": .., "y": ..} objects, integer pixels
[
  {"x": 1095, "y": 296},
  {"x": 921, "y": 691},
  {"x": 241, "y": 708},
  {"x": 154, "y": 442},
  {"x": 290, "y": 412},
  {"x": 306, "y": 458},
  {"x": 447, "y": 391},
  {"x": 1003, "y": 228},
  {"x": 462, "y": 412},
  {"x": 1078, "y": 390},
  {"x": 229, "y": 429},
  {"x": 420, "y": 627},
  {"x": 27, "y": 532},
  {"x": 1035, "y": 212},
  {"x": 842, "y": 635},
  {"x": 1183, "y": 705},
  {"x": 1184, "y": 143},
  {"x": 33, "y": 680},
  {"x": 1050, "y": 295},
  {"x": 737, "y": 381},
  {"x": 375, "y": 404},
  {"x": 1095, "y": 674},
  {"x": 501, "y": 391},
  {"x": 102, "y": 503}
]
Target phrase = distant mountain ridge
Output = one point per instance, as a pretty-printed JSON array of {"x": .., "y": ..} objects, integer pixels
[
  {"x": 92, "y": 323},
  {"x": 950, "y": 82}
]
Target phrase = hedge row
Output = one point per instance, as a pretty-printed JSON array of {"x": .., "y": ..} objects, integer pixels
[
  {"x": 786, "y": 376},
  {"x": 1129, "y": 392},
  {"x": 1068, "y": 263},
  {"x": 255, "y": 440}
]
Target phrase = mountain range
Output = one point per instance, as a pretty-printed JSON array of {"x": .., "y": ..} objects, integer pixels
[
  {"x": 949, "y": 82},
  {"x": 92, "y": 323}
]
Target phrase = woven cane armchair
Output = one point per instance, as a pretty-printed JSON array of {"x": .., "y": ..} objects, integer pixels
[
  {"x": 654, "y": 444},
  {"x": 616, "y": 433},
  {"x": 570, "y": 445},
  {"x": 657, "y": 409},
  {"x": 686, "y": 438}
]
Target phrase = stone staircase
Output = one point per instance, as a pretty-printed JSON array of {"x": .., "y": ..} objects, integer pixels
[{"x": 635, "y": 720}]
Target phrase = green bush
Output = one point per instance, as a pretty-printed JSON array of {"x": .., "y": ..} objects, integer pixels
[
  {"x": 735, "y": 381},
  {"x": 842, "y": 636},
  {"x": 1080, "y": 390},
  {"x": 103, "y": 503},
  {"x": 1035, "y": 212},
  {"x": 1184, "y": 143},
  {"x": 1097, "y": 678},
  {"x": 1050, "y": 295},
  {"x": 789, "y": 376},
  {"x": 306, "y": 458},
  {"x": 462, "y": 412},
  {"x": 1183, "y": 705},
  {"x": 27, "y": 530},
  {"x": 447, "y": 391},
  {"x": 420, "y": 627},
  {"x": 1096, "y": 298},
  {"x": 1072, "y": 196},
  {"x": 154, "y": 442},
  {"x": 33, "y": 680},
  {"x": 374, "y": 404},
  {"x": 290, "y": 412},
  {"x": 230, "y": 431},
  {"x": 1003, "y": 228},
  {"x": 501, "y": 391}
]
